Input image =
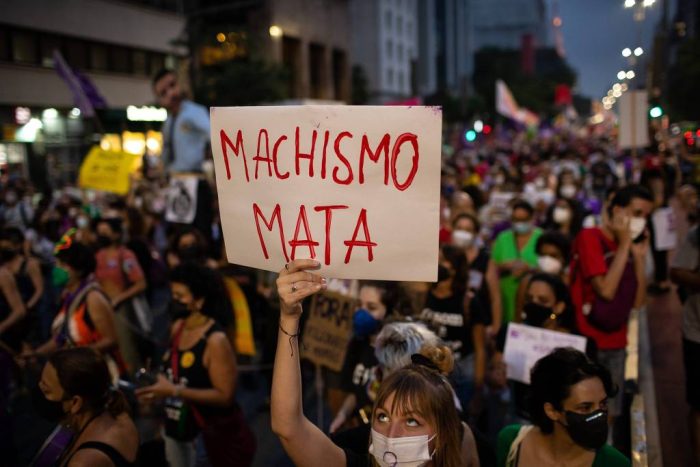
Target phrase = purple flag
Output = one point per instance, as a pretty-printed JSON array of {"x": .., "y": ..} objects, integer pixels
[{"x": 85, "y": 96}]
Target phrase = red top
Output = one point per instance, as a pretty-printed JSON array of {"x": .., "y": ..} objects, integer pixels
[{"x": 588, "y": 262}]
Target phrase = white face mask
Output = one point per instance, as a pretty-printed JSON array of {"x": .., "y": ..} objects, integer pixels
[
  {"x": 549, "y": 264},
  {"x": 462, "y": 238},
  {"x": 407, "y": 451},
  {"x": 568, "y": 191},
  {"x": 637, "y": 226},
  {"x": 561, "y": 215}
]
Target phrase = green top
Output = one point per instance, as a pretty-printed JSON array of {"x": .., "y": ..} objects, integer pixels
[
  {"x": 504, "y": 249},
  {"x": 607, "y": 456}
]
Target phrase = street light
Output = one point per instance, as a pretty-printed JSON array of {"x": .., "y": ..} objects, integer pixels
[
  {"x": 621, "y": 74},
  {"x": 617, "y": 87},
  {"x": 638, "y": 51},
  {"x": 626, "y": 52},
  {"x": 630, "y": 74},
  {"x": 648, "y": 3},
  {"x": 275, "y": 31}
]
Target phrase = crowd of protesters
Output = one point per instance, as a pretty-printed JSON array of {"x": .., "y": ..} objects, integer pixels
[{"x": 101, "y": 297}]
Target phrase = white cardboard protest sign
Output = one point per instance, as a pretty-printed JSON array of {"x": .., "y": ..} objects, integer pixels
[
  {"x": 354, "y": 187},
  {"x": 526, "y": 344},
  {"x": 665, "y": 236},
  {"x": 182, "y": 200}
]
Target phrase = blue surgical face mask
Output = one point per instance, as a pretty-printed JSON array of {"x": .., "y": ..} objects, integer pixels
[
  {"x": 522, "y": 227},
  {"x": 364, "y": 324}
]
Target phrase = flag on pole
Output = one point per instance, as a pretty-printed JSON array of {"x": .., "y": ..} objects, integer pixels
[
  {"x": 85, "y": 96},
  {"x": 508, "y": 107}
]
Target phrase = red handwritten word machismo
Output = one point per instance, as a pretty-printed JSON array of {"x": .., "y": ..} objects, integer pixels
[
  {"x": 328, "y": 159},
  {"x": 327, "y": 183}
]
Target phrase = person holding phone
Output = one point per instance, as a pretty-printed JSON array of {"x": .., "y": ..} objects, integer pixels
[{"x": 607, "y": 278}]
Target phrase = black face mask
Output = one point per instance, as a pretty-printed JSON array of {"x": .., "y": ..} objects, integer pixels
[
  {"x": 103, "y": 241},
  {"x": 536, "y": 315},
  {"x": 7, "y": 254},
  {"x": 443, "y": 273},
  {"x": 178, "y": 310},
  {"x": 590, "y": 431},
  {"x": 51, "y": 411}
]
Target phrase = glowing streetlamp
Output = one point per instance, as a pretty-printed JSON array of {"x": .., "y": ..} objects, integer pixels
[
  {"x": 638, "y": 51},
  {"x": 626, "y": 52},
  {"x": 275, "y": 31}
]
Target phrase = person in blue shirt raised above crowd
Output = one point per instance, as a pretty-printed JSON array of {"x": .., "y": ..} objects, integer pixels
[
  {"x": 185, "y": 148},
  {"x": 186, "y": 131}
]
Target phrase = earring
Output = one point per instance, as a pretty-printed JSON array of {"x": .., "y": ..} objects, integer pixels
[{"x": 552, "y": 316}]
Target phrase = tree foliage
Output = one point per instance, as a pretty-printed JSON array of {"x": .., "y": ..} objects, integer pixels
[
  {"x": 536, "y": 91},
  {"x": 684, "y": 82},
  {"x": 242, "y": 82}
]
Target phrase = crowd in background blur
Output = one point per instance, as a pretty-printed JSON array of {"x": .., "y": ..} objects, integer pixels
[{"x": 551, "y": 229}]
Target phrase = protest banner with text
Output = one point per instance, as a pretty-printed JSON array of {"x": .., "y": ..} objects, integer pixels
[
  {"x": 354, "y": 187},
  {"x": 526, "y": 344},
  {"x": 328, "y": 330}
]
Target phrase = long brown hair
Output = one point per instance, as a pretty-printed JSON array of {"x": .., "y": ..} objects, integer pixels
[
  {"x": 423, "y": 390},
  {"x": 83, "y": 372}
]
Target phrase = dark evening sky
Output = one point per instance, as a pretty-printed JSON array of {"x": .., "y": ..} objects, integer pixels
[{"x": 595, "y": 32}]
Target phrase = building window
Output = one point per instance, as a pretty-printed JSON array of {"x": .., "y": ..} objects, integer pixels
[
  {"x": 76, "y": 53},
  {"x": 98, "y": 57},
  {"x": 399, "y": 25},
  {"x": 139, "y": 62},
  {"x": 157, "y": 62},
  {"x": 390, "y": 77},
  {"x": 388, "y": 19},
  {"x": 120, "y": 59},
  {"x": 4, "y": 44},
  {"x": 389, "y": 49},
  {"x": 401, "y": 81},
  {"x": 339, "y": 74},
  {"x": 409, "y": 28},
  {"x": 399, "y": 53},
  {"x": 47, "y": 44},
  {"x": 317, "y": 70},
  {"x": 291, "y": 59},
  {"x": 24, "y": 47}
]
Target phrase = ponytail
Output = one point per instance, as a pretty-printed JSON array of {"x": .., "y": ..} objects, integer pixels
[{"x": 117, "y": 403}]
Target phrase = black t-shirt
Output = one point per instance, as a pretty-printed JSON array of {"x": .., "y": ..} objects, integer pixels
[
  {"x": 358, "y": 375},
  {"x": 355, "y": 440},
  {"x": 447, "y": 318},
  {"x": 478, "y": 285},
  {"x": 354, "y": 459}
]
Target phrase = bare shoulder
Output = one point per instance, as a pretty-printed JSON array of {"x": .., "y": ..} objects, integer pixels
[
  {"x": 96, "y": 297},
  {"x": 5, "y": 275},
  {"x": 90, "y": 458}
]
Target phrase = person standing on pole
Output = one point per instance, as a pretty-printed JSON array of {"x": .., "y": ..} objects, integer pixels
[{"x": 185, "y": 143}]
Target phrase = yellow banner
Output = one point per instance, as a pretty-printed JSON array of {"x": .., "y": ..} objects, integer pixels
[{"x": 107, "y": 170}]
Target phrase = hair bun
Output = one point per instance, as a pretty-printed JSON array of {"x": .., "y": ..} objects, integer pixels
[
  {"x": 439, "y": 356},
  {"x": 422, "y": 360}
]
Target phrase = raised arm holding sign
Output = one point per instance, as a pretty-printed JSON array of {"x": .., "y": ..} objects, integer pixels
[{"x": 356, "y": 188}]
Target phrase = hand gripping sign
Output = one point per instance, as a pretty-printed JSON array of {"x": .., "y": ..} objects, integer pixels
[{"x": 354, "y": 187}]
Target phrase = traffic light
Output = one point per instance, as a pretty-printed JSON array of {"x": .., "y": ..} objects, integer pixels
[
  {"x": 656, "y": 112},
  {"x": 470, "y": 136}
]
